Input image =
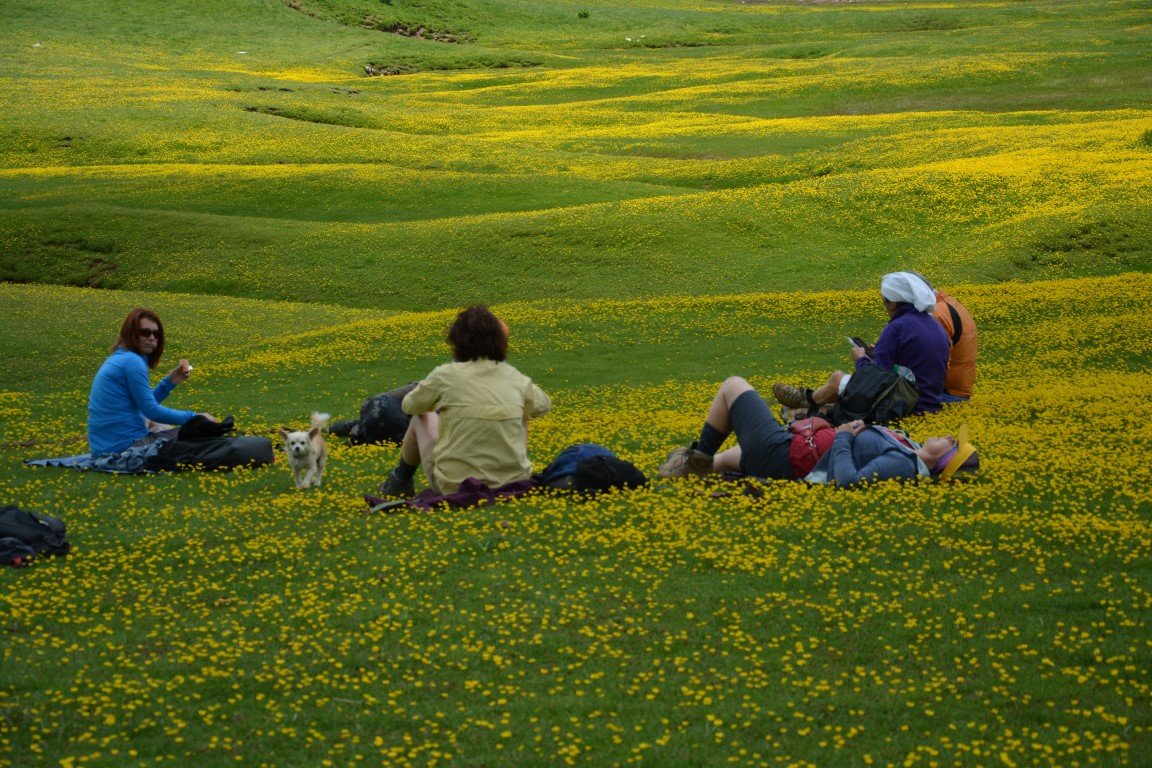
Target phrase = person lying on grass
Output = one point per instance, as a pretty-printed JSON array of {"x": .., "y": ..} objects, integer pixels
[
  {"x": 858, "y": 454},
  {"x": 123, "y": 407},
  {"x": 470, "y": 416},
  {"x": 863, "y": 453}
]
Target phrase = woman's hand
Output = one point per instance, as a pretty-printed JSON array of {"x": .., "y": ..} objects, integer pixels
[
  {"x": 858, "y": 352},
  {"x": 210, "y": 417},
  {"x": 852, "y": 427},
  {"x": 180, "y": 373}
]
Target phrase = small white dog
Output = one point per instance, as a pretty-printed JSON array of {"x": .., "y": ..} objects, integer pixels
[{"x": 307, "y": 452}]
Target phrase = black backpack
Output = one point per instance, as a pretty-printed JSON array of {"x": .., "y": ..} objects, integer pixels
[
  {"x": 212, "y": 453},
  {"x": 44, "y": 533},
  {"x": 877, "y": 396},
  {"x": 597, "y": 474},
  {"x": 382, "y": 420}
]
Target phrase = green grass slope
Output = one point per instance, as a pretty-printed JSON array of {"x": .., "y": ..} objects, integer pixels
[
  {"x": 224, "y": 618},
  {"x": 567, "y": 149}
]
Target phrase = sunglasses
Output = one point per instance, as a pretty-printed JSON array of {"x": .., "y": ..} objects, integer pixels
[{"x": 149, "y": 333}]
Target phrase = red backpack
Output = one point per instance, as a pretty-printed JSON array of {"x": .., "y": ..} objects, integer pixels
[{"x": 811, "y": 439}]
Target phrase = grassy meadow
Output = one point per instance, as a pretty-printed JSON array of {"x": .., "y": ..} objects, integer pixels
[{"x": 656, "y": 194}]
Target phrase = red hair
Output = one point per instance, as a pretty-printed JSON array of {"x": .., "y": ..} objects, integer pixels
[{"x": 130, "y": 334}]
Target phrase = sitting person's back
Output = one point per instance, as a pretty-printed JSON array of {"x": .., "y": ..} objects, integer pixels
[
  {"x": 483, "y": 405},
  {"x": 469, "y": 417},
  {"x": 959, "y": 326}
]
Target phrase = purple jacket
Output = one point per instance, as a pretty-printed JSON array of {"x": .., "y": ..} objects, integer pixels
[{"x": 916, "y": 341}]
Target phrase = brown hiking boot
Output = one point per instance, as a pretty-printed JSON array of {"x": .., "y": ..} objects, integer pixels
[
  {"x": 683, "y": 462},
  {"x": 791, "y": 396}
]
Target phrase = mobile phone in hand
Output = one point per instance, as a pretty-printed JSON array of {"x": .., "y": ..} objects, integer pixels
[{"x": 856, "y": 341}]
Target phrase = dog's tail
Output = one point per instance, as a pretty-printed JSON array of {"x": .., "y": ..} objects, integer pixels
[{"x": 319, "y": 420}]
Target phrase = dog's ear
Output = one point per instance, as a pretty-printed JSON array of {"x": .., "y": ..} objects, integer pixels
[
  {"x": 313, "y": 432},
  {"x": 283, "y": 433}
]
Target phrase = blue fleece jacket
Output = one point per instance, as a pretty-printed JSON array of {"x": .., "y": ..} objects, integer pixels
[
  {"x": 120, "y": 400},
  {"x": 916, "y": 341},
  {"x": 874, "y": 454}
]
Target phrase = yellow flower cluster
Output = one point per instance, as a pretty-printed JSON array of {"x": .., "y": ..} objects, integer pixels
[{"x": 226, "y": 617}]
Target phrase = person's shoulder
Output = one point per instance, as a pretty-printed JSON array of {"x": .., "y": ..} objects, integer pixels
[
  {"x": 437, "y": 378},
  {"x": 513, "y": 372},
  {"x": 924, "y": 319},
  {"x": 905, "y": 320},
  {"x": 126, "y": 358}
]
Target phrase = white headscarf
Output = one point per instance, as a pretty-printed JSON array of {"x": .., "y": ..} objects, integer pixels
[{"x": 909, "y": 288}]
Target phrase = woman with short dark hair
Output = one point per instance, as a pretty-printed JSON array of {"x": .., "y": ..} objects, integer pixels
[
  {"x": 478, "y": 334},
  {"x": 123, "y": 404},
  {"x": 470, "y": 416}
]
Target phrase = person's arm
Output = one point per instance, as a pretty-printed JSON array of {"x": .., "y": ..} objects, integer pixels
[
  {"x": 537, "y": 403},
  {"x": 425, "y": 397},
  {"x": 886, "y": 465},
  {"x": 163, "y": 389},
  {"x": 143, "y": 397},
  {"x": 884, "y": 353}
]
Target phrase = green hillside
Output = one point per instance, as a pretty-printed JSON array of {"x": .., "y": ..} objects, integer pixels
[
  {"x": 567, "y": 149},
  {"x": 656, "y": 195}
]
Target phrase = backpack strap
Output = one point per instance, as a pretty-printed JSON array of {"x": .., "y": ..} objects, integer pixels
[{"x": 957, "y": 324}]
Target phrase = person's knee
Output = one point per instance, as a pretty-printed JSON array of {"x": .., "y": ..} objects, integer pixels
[
  {"x": 829, "y": 391},
  {"x": 736, "y": 385}
]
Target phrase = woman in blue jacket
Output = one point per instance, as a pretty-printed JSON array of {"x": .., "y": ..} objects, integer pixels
[{"x": 123, "y": 405}]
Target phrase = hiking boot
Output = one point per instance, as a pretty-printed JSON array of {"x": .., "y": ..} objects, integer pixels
[
  {"x": 341, "y": 428},
  {"x": 683, "y": 462},
  {"x": 791, "y": 396},
  {"x": 395, "y": 488}
]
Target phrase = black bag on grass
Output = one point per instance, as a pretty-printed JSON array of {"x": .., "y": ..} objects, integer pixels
[
  {"x": 876, "y": 396},
  {"x": 44, "y": 533},
  {"x": 561, "y": 472},
  {"x": 212, "y": 453},
  {"x": 200, "y": 427},
  {"x": 590, "y": 468},
  {"x": 15, "y": 553},
  {"x": 205, "y": 444},
  {"x": 597, "y": 474}
]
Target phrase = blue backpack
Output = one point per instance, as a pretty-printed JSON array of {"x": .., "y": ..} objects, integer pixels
[
  {"x": 563, "y": 467},
  {"x": 589, "y": 468}
]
